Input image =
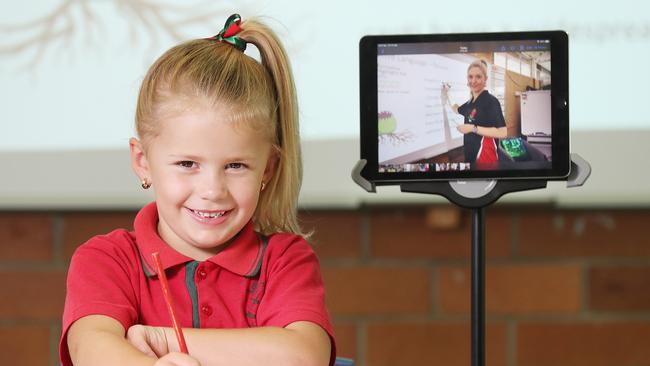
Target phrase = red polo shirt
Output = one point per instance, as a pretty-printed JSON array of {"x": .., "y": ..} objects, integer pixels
[{"x": 254, "y": 281}]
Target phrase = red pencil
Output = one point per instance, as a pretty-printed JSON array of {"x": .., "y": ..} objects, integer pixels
[{"x": 170, "y": 302}]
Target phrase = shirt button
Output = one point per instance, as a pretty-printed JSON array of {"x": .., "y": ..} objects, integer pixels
[
  {"x": 206, "y": 309},
  {"x": 202, "y": 274}
]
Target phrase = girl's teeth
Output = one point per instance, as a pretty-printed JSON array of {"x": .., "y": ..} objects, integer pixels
[{"x": 209, "y": 215}]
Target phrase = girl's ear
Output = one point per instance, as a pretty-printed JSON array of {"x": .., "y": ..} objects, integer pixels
[
  {"x": 271, "y": 166},
  {"x": 139, "y": 161}
]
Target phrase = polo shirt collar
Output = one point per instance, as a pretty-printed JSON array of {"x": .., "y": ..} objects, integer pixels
[
  {"x": 148, "y": 242},
  {"x": 243, "y": 255},
  {"x": 484, "y": 92}
]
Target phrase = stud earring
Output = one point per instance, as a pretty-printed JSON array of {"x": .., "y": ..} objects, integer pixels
[
  {"x": 263, "y": 186},
  {"x": 145, "y": 184}
]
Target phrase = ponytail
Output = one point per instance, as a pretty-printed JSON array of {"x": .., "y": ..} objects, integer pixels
[{"x": 276, "y": 210}]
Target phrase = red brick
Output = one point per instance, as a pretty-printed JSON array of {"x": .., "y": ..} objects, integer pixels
[
  {"x": 81, "y": 226},
  {"x": 444, "y": 217},
  {"x": 25, "y": 237},
  {"x": 431, "y": 344},
  {"x": 337, "y": 234},
  {"x": 619, "y": 288},
  {"x": 346, "y": 340},
  {"x": 405, "y": 234},
  {"x": 374, "y": 290},
  {"x": 581, "y": 344},
  {"x": 585, "y": 233},
  {"x": 514, "y": 289},
  {"x": 25, "y": 344},
  {"x": 32, "y": 295}
]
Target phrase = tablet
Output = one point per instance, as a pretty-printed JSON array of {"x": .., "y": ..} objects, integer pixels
[{"x": 464, "y": 106}]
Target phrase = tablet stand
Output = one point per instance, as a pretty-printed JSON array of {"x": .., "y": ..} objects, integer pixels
[{"x": 476, "y": 195}]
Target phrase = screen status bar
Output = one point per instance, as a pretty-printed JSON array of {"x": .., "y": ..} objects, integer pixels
[{"x": 533, "y": 45}]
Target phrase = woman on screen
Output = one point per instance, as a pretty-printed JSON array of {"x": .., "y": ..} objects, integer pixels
[{"x": 484, "y": 122}]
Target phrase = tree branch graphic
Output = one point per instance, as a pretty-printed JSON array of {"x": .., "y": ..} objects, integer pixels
[{"x": 60, "y": 27}]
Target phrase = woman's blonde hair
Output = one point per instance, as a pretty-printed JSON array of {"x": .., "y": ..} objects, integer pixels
[
  {"x": 259, "y": 94},
  {"x": 481, "y": 65}
]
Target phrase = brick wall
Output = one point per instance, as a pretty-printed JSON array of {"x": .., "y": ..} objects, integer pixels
[{"x": 563, "y": 287}]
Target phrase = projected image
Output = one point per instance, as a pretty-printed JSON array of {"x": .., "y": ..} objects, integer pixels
[{"x": 476, "y": 106}]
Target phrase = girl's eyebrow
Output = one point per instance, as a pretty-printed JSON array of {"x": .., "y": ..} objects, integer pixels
[
  {"x": 241, "y": 157},
  {"x": 184, "y": 157}
]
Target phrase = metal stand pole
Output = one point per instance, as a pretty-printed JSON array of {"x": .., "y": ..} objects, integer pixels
[
  {"x": 478, "y": 287},
  {"x": 476, "y": 195}
]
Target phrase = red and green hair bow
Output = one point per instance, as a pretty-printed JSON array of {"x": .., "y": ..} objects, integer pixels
[{"x": 229, "y": 33}]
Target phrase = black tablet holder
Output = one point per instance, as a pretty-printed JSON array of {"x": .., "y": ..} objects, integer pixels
[{"x": 476, "y": 195}]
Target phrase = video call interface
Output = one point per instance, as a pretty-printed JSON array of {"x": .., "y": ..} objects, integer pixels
[{"x": 464, "y": 106}]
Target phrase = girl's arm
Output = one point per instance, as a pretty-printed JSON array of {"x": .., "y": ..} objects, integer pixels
[
  {"x": 298, "y": 344},
  {"x": 98, "y": 340}
]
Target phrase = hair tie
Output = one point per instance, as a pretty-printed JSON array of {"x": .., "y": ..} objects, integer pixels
[{"x": 229, "y": 33}]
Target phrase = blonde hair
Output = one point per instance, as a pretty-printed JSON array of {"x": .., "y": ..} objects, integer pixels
[
  {"x": 259, "y": 94},
  {"x": 481, "y": 64}
]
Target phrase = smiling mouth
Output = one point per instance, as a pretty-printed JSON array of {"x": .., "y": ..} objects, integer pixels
[{"x": 208, "y": 214}]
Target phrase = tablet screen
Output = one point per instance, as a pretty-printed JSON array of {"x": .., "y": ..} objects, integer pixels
[{"x": 465, "y": 106}]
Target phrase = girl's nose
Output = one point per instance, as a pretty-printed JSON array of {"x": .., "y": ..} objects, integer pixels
[{"x": 213, "y": 187}]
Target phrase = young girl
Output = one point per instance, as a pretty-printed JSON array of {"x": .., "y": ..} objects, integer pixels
[{"x": 219, "y": 144}]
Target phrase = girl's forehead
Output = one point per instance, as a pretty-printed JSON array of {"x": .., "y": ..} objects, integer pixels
[
  {"x": 207, "y": 123},
  {"x": 207, "y": 136}
]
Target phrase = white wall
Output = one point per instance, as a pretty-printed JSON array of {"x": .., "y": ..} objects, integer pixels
[{"x": 66, "y": 105}]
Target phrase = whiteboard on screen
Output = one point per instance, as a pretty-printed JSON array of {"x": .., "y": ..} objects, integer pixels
[
  {"x": 536, "y": 113},
  {"x": 409, "y": 89}
]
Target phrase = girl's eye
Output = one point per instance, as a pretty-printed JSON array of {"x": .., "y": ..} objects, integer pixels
[
  {"x": 235, "y": 166},
  {"x": 186, "y": 164}
]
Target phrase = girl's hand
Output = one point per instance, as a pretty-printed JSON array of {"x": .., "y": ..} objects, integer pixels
[
  {"x": 177, "y": 359},
  {"x": 151, "y": 341}
]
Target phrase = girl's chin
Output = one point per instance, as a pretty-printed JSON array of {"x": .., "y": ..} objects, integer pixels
[
  {"x": 209, "y": 244},
  {"x": 206, "y": 249}
]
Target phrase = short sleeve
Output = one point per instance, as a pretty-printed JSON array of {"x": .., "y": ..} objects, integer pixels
[
  {"x": 99, "y": 282},
  {"x": 294, "y": 289},
  {"x": 463, "y": 109},
  {"x": 496, "y": 114}
]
